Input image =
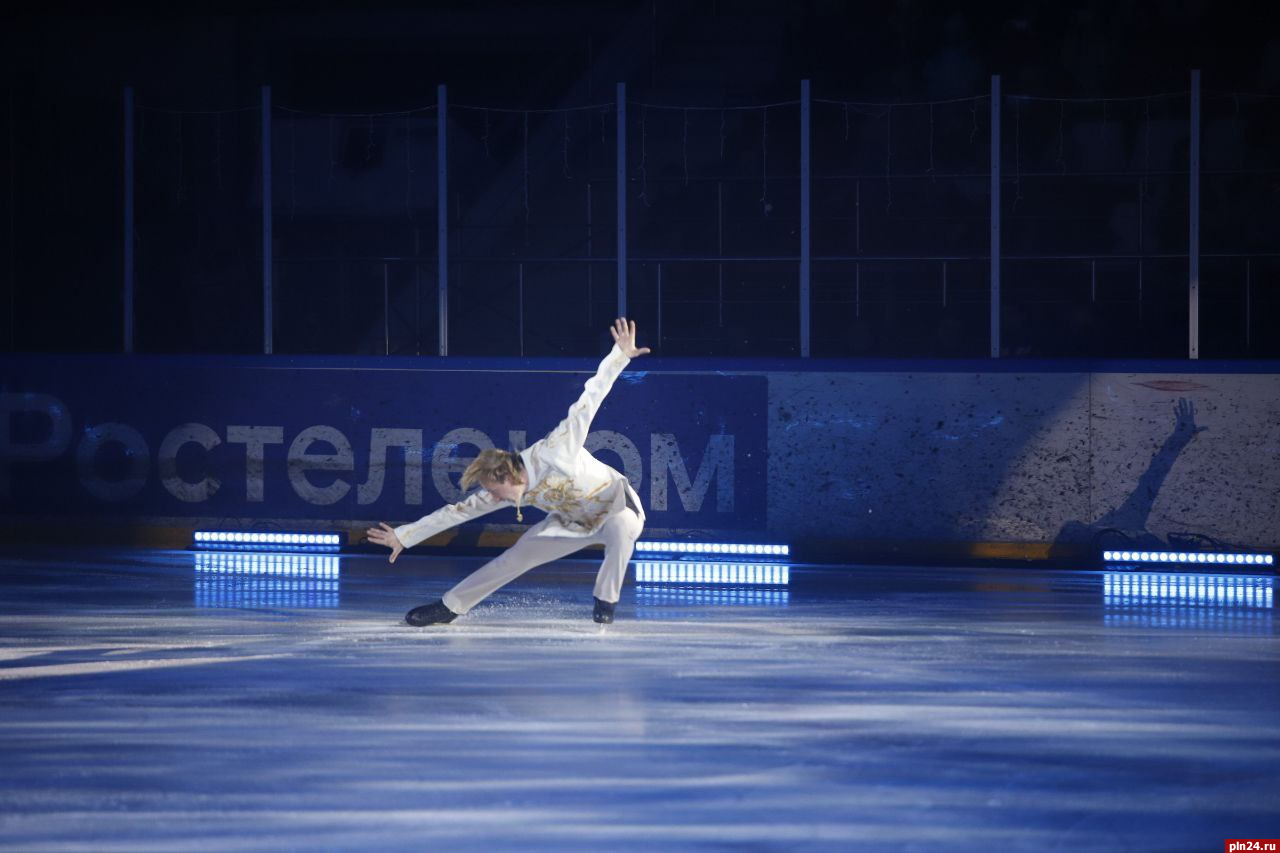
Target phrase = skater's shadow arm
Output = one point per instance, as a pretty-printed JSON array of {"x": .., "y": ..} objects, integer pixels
[{"x": 1133, "y": 513}]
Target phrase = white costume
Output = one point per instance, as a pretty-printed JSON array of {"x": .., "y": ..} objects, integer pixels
[{"x": 585, "y": 500}]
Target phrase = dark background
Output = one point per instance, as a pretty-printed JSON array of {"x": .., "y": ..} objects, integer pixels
[{"x": 1094, "y": 192}]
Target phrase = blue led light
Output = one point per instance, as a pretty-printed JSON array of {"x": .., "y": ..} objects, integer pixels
[
  {"x": 232, "y": 579},
  {"x": 1128, "y": 589},
  {"x": 711, "y": 548},
  {"x": 295, "y": 565},
  {"x": 1186, "y": 557},
  {"x": 743, "y": 574},
  {"x": 251, "y": 540}
]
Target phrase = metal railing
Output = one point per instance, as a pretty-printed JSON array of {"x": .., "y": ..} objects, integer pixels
[{"x": 626, "y": 258}]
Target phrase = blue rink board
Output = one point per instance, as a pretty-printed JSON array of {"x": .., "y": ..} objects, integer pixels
[{"x": 85, "y": 435}]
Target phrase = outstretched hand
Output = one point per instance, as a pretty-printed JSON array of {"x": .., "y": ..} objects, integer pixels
[
  {"x": 1185, "y": 428},
  {"x": 625, "y": 337},
  {"x": 384, "y": 535}
]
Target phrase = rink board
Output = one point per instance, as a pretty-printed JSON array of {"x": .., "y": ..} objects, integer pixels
[{"x": 1001, "y": 458}]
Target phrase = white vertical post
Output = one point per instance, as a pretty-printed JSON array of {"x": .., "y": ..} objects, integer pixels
[
  {"x": 13, "y": 219},
  {"x": 720, "y": 254},
  {"x": 621, "y": 179},
  {"x": 591, "y": 320},
  {"x": 857, "y": 217},
  {"x": 659, "y": 305},
  {"x": 995, "y": 215},
  {"x": 1193, "y": 204},
  {"x": 266, "y": 221},
  {"x": 417, "y": 293},
  {"x": 1141, "y": 192},
  {"x": 1248, "y": 304},
  {"x": 128, "y": 219},
  {"x": 857, "y": 289},
  {"x": 442, "y": 217},
  {"x": 805, "y": 175}
]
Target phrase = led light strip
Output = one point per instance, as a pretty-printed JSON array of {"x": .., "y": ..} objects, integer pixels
[
  {"x": 751, "y": 574},
  {"x": 754, "y": 549},
  {"x": 240, "y": 539},
  {"x": 1134, "y": 589},
  {"x": 1188, "y": 557},
  {"x": 294, "y": 565}
]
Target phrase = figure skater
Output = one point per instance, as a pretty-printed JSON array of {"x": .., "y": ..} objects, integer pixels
[{"x": 585, "y": 500}]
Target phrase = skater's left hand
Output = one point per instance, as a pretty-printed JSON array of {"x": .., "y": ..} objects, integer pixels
[
  {"x": 384, "y": 535},
  {"x": 625, "y": 338}
]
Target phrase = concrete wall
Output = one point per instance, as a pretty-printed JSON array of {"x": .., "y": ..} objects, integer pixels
[{"x": 1032, "y": 458}]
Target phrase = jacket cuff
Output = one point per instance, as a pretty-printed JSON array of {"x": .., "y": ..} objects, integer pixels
[{"x": 401, "y": 532}]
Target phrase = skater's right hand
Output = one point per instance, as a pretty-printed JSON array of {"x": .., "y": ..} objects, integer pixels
[{"x": 384, "y": 535}]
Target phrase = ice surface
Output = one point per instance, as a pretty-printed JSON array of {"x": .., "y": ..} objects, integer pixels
[{"x": 859, "y": 709}]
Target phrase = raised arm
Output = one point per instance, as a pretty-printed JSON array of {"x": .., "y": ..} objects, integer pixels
[{"x": 571, "y": 433}]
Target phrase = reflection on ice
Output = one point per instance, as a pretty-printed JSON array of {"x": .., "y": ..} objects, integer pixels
[
  {"x": 265, "y": 592},
  {"x": 763, "y": 574},
  {"x": 1139, "y": 588},
  {"x": 291, "y": 565},
  {"x": 883, "y": 708},
  {"x": 649, "y": 597},
  {"x": 265, "y": 580},
  {"x": 678, "y": 582},
  {"x": 1233, "y": 603}
]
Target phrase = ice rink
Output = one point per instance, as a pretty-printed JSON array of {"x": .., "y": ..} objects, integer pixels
[{"x": 152, "y": 702}]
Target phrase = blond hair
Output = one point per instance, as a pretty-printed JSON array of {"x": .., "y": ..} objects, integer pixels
[{"x": 495, "y": 465}]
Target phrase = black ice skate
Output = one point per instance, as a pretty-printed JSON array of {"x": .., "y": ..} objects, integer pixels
[
  {"x": 603, "y": 612},
  {"x": 434, "y": 613}
]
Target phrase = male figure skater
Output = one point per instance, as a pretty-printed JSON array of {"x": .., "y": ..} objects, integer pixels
[{"x": 585, "y": 500}]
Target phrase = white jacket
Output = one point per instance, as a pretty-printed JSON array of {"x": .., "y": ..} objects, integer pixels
[{"x": 576, "y": 490}]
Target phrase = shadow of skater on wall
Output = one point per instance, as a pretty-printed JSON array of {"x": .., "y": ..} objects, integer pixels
[{"x": 1126, "y": 525}]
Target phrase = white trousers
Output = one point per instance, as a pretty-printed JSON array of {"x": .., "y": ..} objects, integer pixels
[{"x": 619, "y": 534}]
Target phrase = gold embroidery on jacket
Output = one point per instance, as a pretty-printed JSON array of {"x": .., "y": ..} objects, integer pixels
[{"x": 560, "y": 496}]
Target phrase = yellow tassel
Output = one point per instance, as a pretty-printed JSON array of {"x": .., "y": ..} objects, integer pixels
[{"x": 519, "y": 517}]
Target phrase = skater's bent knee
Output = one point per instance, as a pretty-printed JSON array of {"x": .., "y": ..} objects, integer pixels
[{"x": 625, "y": 525}]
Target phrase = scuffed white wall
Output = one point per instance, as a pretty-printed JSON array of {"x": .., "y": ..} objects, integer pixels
[
  {"x": 1224, "y": 484},
  {"x": 1021, "y": 457}
]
